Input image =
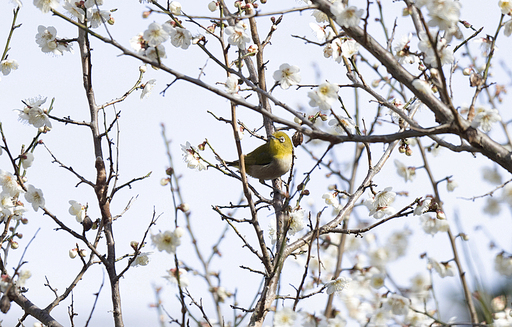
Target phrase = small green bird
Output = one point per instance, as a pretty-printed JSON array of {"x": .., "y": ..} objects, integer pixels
[{"x": 270, "y": 160}]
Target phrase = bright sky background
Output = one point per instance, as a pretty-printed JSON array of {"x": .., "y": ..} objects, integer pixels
[{"x": 183, "y": 111}]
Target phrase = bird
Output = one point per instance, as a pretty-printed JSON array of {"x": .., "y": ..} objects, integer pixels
[{"x": 270, "y": 160}]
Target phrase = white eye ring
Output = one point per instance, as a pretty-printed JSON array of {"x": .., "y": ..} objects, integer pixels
[{"x": 281, "y": 139}]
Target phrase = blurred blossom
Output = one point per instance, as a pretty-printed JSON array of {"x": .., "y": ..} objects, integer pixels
[
  {"x": 451, "y": 185},
  {"x": 174, "y": 274},
  {"x": 348, "y": 123},
  {"x": 141, "y": 260},
  {"x": 491, "y": 175},
  {"x": 432, "y": 225},
  {"x": 285, "y": 317},
  {"x": 408, "y": 173},
  {"x": 397, "y": 304},
  {"x": 503, "y": 264},
  {"x": 492, "y": 207},
  {"x": 337, "y": 285}
]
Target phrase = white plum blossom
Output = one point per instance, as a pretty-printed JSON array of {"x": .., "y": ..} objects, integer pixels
[
  {"x": 93, "y": 3},
  {"x": 232, "y": 86},
  {"x": 337, "y": 285},
  {"x": 27, "y": 159},
  {"x": 156, "y": 53},
  {"x": 349, "y": 48},
  {"x": 331, "y": 199},
  {"x": 35, "y": 197},
  {"x": 346, "y": 16},
  {"x": 191, "y": 157},
  {"x": 324, "y": 96},
  {"x": 505, "y": 6},
  {"x": 46, "y": 38},
  {"x": 408, "y": 173},
  {"x": 23, "y": 275},
  {"x": 402, "y": 52},
  {"x": 167, "y": 241},
  {"x": 484, "y": 118},
  {"x": 7, "y": 65},
  {"x": 444, "y": 14},
  {"x": 285, "y": 318},
  {"x": 141, "y": 260},
  {"x": 433, "y": 225},
  {"x": 96, "y": 17},
  {"x": 323, "y": 33},
  {"x": 296, "y": 221},
  {"x": 46, "y": 5},
  {"x": 155, "y": 35},
  {"x": 180, "y": 37},
  {"x": 423, "y": 206},
  {"x": 237, "y": 35},
  {"x": 287, "y": 75},
  {"x": 10, "y": 186},
  {"x": 76, "y": 209},
  {"x": 138, "y": 43},
  {"x": 175, "y": 8},
  {"x": 33, "y": 114},
  {"x": 146, "y": 91},
  {"x": 73, "y": 9},
  {"x": 348, "y": 123},
  {"x": 380, "y": 204}
]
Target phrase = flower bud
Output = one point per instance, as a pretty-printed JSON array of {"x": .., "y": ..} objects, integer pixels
[
  {"x": 467, "y": 71},
  {"x": 212, "y": 6},
  {"x": 111, "y": 20},
  {"x": 14, "y": 245},
  {"x": 408, "y": 151},
  {"x": 164, "y": 181},
  {"x": 143, "y": 69},
  {"x": 184, "y": 207},
  {"x": 179, "y": 231},
  {"x": 440, "y": 214},
  {"x": 134, "y": 245},
  {"x": 73, "y": 253},
  {"x": 375, "y": 83},
  {"x": 83, "y": 253},
  {"x": 146, "y": 14}
]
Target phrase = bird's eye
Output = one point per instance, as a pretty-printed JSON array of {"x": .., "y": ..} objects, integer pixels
[{"x": 281, "y": 139}]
